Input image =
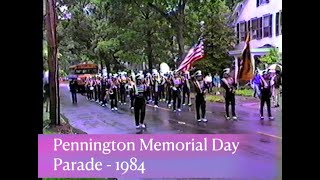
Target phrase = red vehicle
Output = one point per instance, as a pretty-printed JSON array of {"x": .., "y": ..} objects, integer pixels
[{"x": 81, "y": 72}]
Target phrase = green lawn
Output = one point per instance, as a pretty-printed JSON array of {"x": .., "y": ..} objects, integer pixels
[
  {"x": 244, "y": 92},
  {"x": 219, "y": 98},
  {"x": 215, "y": 98},
  {"x": 248, "y": 92}
]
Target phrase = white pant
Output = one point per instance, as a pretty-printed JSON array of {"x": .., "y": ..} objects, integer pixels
[{"x": 276, "y": 96}]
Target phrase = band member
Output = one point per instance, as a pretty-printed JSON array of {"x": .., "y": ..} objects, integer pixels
[
  {"x": 89, "y": 87},
  {"x": 162, "y": 88},
  {"x": 265, "y": 89},
  {"x": 228, "y": 83},
  {"x": 103, "y": 92},
  {"x": 95, "y": 90},
  {"x": 130, "y": 87},
  {"x": 98, "y": 87},
  {"x": 73, "y": 85},
  {"x": 108, "y": 87},
  {"x": 176, "y": 91},
  {"x": 122, "y": 89},
  {"x": 147, "y": 81},
  {"x": 200, "y": 88},
  {"x": 156, "y": 83},
  {"x": 140, "y": 102},
  {"x": 168, "y": 89},
  {"x": 113, "y": 94},
  {"x": 186, "y": 89}
]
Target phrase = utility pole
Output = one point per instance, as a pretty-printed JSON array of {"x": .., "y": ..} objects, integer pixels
[{"x": 51, "y": 24}]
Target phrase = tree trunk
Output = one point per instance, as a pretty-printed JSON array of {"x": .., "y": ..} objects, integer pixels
[
  {"x": 53, "y": 62},
  {"x": 180, "y": 39},
  {"x": 149, "y": 51},
  {"x": 108, "y": 67},
  {"x": 101, "y": 66},
  {"x": 177, "y": 21},
  {"x": 179, "y": 25}
]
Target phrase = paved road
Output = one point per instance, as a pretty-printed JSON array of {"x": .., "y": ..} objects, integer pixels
[{"x": 263, "y": 151}]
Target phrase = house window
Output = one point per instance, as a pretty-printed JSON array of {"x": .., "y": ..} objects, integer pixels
[
  {"x": 242, "y": 31},
  {"x": 238, "y": 33},
  {"x": 254, "y": 29},
  {"x": 278, "y": 24},
  {"x": 267, "y": 26},
  {"x": 249, "y": 28},
  {"x": 261, "y": 2},
  {"x": 259, "y": 30}
]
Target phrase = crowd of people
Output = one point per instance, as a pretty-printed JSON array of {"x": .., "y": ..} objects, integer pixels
[{"x": 174, "y": 88}]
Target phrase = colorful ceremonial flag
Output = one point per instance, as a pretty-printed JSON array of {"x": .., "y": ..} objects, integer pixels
[{"x": 246, "y": 68}]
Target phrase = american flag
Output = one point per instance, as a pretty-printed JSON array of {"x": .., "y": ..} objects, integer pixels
[{"x": 195, "y": 53}]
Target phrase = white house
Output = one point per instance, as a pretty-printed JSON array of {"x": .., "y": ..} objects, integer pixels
[{"x": 263, "y": 18}]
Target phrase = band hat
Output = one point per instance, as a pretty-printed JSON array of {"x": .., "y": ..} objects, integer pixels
[{"x": 198, "y": 73}]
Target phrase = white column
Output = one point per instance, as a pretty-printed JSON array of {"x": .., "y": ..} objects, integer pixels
[
  {"x": 236, "y": 68},
  {"x": 253, "y": 62}
]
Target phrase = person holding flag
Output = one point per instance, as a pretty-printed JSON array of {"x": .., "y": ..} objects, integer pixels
[{"x": 243, "y": 71}]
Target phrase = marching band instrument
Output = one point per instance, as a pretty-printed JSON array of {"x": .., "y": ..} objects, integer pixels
[{"x": 164, "y": 68}]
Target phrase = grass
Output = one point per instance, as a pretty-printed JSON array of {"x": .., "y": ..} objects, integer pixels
[
  {"x": 215, "y": 98},
  {"x": 244, "y": 92}
]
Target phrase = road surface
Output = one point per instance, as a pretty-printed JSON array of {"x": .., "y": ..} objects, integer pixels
[{"x": 263, "y": 152}]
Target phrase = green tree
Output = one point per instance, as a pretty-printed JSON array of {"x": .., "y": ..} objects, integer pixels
[
  {"x": 137, "y": 31},
  {"x": 174, "y": 12},
  {"x": 232, "y": 3},
  {"x": 219, "y": 36},
  {"x": 272, "y": 57}
]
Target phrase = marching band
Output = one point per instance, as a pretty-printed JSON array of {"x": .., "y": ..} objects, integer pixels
[{"x": 173, "y": 87}]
